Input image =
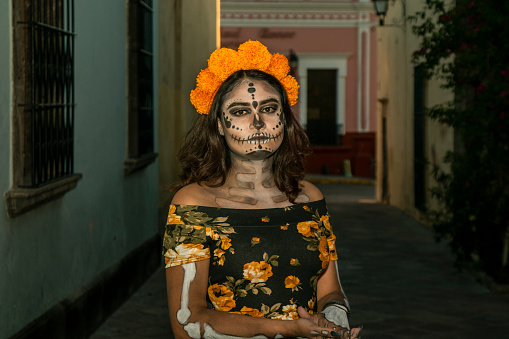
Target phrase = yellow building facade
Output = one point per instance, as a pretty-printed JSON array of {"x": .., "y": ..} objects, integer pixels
[
  {"x": 188, "y": 34},
  {"x": 409, "y": 144}
]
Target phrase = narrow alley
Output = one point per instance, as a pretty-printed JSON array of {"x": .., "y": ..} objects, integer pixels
[{"x": 400, "y": 282}]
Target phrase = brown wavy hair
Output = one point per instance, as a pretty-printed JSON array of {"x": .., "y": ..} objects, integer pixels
[{"x": 203, "y": 143}]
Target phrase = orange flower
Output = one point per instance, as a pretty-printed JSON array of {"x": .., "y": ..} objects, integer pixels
[
  {"x": 257, "y": 271},
  {"x": 201, "y": 100},
  {"x": 284, "y": 228},
  {"x": 219, "y": 252},
  {"x": 226, "y": 243},
  {"x": 278, "y": 66},
  {"x": 331, "y": 241},
  {"x": 294, "y": 262},
  {"x": 325, "y": 220},
  {"x": 224, "y": 301},
  {"x": 186, "y": 253},
  {"x": 207, "y": 81},
  {"x": 173, "y": 218},
  {"x": 290, "y": 308},
  {"x": 224, "y": 62},
  {"x": 292, "y": 282},
  {"x": 253, "y": 312},
  {"x": 211, "y": 233},
  {"x": 254, "y": 55},
  {"x": 323, "y": 247},
  {"x": 266, "y": 219},
  {"x": 305, "y": 228},
  {"x": 292, "y": 89},
  {"x": 311, "y": 304}
]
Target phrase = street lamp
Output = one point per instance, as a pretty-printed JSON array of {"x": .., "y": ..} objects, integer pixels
[
  {"x": 293, "y": 61},
  {"x": 381, "y": 9}
]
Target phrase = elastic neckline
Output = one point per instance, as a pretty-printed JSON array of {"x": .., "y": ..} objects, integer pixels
[{"x": 255, "y": 209}]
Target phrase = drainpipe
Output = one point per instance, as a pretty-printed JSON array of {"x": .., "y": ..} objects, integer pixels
[{"x": 505, "y": 252}]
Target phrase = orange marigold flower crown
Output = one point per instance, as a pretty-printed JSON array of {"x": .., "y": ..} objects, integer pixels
[{"x": 224, "y": 62}]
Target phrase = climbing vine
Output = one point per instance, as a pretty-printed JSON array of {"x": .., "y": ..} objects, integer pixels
[{"x": 466, "y": 44}]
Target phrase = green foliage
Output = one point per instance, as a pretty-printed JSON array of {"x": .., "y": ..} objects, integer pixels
[{"x": 467, "y": 46}]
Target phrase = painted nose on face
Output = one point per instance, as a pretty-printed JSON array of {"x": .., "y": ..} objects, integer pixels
[{"x": 258, "y": 122}]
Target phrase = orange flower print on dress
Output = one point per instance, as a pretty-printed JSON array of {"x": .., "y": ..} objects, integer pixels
[
  {"x": 326, "y": 222},
  {"x": 294, "y": 262},
  {"x": 211, "y": 233},
  {"x": 172, "y": 217},
  {"x": 253, "y": 312},
  {"x": 306, "y": 228},
  {"x": 255, "y": 241},
  {"x": 226, "y": 243},
  {"x": 284, "y": 228},
  {"x": 257, "y": 272},
  {"x": 266, "y": 219},
  {"x": 331, "y": 241},
  {"x": 221, "y": 297},
  {"x": 290, "y": 312},
  {"x": 219, "y": 252},
  {"x": 311, "y": 304},
  {"x": 292, "y": 282},
  {"x": 290, "y": 308},
  {"x": 323, "y": 247},
  {"x": 186, "y": 253}
]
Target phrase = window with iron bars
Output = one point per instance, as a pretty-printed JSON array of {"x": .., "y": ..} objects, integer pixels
[
  {"x": 140, "y": 86},
  {"x": 43, "y": 95}
]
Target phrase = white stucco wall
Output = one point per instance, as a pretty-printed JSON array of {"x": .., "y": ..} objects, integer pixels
[{"x": 50, "y": 252}]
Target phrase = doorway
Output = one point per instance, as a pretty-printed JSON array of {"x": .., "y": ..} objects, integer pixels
[{"x": 322, "y": 106}]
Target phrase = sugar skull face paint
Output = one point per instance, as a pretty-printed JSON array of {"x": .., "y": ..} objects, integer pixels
[{"x": 252, "y": 120}]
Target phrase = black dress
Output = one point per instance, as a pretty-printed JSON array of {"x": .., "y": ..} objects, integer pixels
[{"x": 263, "y": 262}]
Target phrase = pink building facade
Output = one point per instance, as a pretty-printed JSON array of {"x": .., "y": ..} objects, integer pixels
[{"x": 335, "y": 46}]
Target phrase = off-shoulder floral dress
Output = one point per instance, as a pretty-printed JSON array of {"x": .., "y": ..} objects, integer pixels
[{"x": 263, "y": 262}]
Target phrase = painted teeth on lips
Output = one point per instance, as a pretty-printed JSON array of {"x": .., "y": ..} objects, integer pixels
[{"x": 258, "y": 138}]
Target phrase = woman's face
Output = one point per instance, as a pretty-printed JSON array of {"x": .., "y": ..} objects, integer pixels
[{"x": 252, "y": 120}]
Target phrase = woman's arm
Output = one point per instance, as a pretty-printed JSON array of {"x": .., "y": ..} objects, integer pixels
[
  {"x": 189, "y": 316},
  {"x": 329, "y": 287},
  {"x": 332, "y": 304}
]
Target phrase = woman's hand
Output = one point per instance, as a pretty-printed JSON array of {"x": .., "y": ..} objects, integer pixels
[
  {"x": 334, "y": 330},
  {"x": 307, "y": 327}
]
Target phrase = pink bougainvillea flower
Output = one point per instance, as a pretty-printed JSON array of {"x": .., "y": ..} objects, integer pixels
[{"x": 481, "y": 88}]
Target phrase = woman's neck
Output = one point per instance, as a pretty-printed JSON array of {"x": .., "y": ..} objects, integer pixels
[{"x": 250, "y": 184}]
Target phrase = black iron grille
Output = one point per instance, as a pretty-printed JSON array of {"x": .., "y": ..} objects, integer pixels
[
  {"x": 49, "y": 90},
  {"x": 145, "y": 79}
]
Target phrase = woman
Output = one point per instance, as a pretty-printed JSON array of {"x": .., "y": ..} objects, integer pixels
[{"x": 248, "y": 245}]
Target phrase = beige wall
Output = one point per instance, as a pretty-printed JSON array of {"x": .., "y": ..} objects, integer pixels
[
  {"x": 396, "y": 43},
  {"x": 188, "y": 33}
]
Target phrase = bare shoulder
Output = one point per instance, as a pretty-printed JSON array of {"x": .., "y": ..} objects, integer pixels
[
  {"x": 192, "y": 194},
  {"x": 312, "y": 192}
]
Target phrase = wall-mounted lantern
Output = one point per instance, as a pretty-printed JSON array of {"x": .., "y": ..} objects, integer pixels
[{"x": 381, "y": 9}]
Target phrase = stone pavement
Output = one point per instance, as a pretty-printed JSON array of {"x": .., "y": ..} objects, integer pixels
[{"x": 400, "y": 282}]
